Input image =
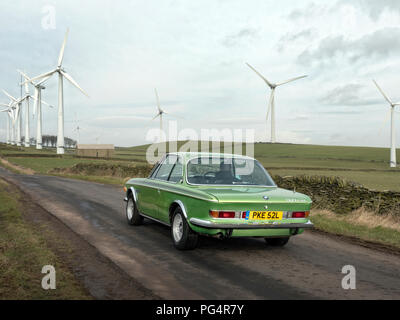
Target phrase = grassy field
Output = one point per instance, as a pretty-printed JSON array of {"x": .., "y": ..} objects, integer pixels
[
  {"x": 366, "y": 166},
  {"x": 23, "y": 253}
]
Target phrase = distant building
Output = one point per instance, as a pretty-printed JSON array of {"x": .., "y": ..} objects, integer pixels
[{"x": 95, "y": 150}]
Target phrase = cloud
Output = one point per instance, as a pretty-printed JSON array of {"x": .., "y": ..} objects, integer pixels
[
  {"x": 237, "y": 38},
  {"x": 307, "y": 12},
  {"x": 374, "y": 8},
  {"x": 346, "y": 95},
  {"x": 377, "y": 45},
  {"x": 292, "y": 38}
]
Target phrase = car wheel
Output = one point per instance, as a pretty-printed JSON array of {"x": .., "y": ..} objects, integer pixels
[
  {"x": 277, "y": 242},
  {"x": 183, "y": 237},
  {"x": 132, "y": 213}
]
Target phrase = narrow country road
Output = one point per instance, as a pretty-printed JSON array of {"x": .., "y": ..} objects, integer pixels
[{"x": 308, "y": 267}]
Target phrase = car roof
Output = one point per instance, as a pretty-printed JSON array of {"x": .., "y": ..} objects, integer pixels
[{"x": 189, "y": 155}]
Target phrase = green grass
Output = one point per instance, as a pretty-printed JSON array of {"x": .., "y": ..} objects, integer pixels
[
  {"x": 23, "y": 253},
  {"x": 339, "y": 226}
]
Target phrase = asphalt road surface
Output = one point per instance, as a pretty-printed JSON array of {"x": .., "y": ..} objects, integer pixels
[{"x": 309, "y": 267}]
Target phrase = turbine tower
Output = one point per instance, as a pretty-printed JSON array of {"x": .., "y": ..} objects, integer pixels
[
  {"x": 271, "y": 105},
  {"x": 61, "y": 75},
  {"x": 37, "y": 106},
  {"x": 26, "y": 98},
  {"x": 160, "y": 112},
  {"x": 393, "y": 162}
]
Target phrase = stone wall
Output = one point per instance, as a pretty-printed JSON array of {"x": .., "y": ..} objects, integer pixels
[
  {"x": 340, "y": 196},
  {"x": 104, "y": 169}
]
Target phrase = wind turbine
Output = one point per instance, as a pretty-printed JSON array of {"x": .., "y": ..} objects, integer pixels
[
  {"x": 8, "y": 134},
  {"x": 16, "y": 117},
  {"x": 61, "y": 75},
  {"x": 10, "y": 121},
  {"x": 8, "y": 124},
  {"x": 271, "y": 105},
  {"x": 393, "y": 162},
  {"x": 37, "y": 107},
  {"x": 160, "y": 111},
  {"x": 77, "y": 129}
]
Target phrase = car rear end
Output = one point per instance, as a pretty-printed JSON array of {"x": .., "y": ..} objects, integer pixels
[{"x": 252, "y": 219}]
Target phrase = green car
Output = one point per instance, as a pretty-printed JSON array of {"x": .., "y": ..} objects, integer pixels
[{"x": 220, "y": 195}]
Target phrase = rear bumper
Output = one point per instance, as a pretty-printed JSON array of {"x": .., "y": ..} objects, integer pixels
[{"x": 210, "y": 225}]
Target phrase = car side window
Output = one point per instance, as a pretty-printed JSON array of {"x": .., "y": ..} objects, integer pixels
[
  {"x": 177, "y": 172},
  {"x": 154, "y": 169},
  {"x": 166, "y": 167}
]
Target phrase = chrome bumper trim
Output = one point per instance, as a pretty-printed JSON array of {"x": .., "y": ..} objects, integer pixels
[{"x": 211, "y": 225}]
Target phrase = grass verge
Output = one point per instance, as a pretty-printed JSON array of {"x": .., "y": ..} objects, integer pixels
[
  {"x": 23, "y": 253},
  {"x": 359, "y": 224}
]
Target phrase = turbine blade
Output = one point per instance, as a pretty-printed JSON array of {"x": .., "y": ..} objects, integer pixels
[
  {"x": 158, "y": 100},
  {"x": 70, "y": 79},
  {"x": 290, "y": 80},
  {"x": 385, "y": 121},
  {"x": 61, "y": 55},
  {"x": 24, "y": 75},
  {"x": 261, "y": 76},
  {"x": 9, "y": 95},
  {"x": 155, "y": 117},
  {"x": 47, "y": 104},
  {"x": 173, "y": 115},
  {"x": 41, "y": 81},
  {"x": 384, "y": 95},
  {"x": 44, "y": 75}
]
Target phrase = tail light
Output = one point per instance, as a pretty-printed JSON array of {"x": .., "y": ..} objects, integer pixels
[
  {"x": 223, "y": 214},
  {"x": 300, "y": 214}
]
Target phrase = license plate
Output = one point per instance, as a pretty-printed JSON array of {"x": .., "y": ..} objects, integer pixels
[{"x": 264, "y": 215}]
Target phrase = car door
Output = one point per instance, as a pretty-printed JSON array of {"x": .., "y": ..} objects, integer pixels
[
  {"x": 146, "y": 194},
  {"x": 161, "y": 185},
  {"x": 166, "y": 197}
]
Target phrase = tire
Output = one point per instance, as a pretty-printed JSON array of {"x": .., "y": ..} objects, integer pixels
[
  {"x": 132, "y": 213},
  {"x": 277, "y": 242},
  {"x": 182, "y": 236}
]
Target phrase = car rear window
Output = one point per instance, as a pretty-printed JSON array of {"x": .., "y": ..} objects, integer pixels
[{"x": 227, "y": 171}]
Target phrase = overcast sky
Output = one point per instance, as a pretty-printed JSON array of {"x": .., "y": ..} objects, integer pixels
[{"x": 194, "y": 52}]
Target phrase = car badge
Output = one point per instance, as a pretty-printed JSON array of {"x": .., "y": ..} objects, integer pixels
[{"x": 266, "y": 198}]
